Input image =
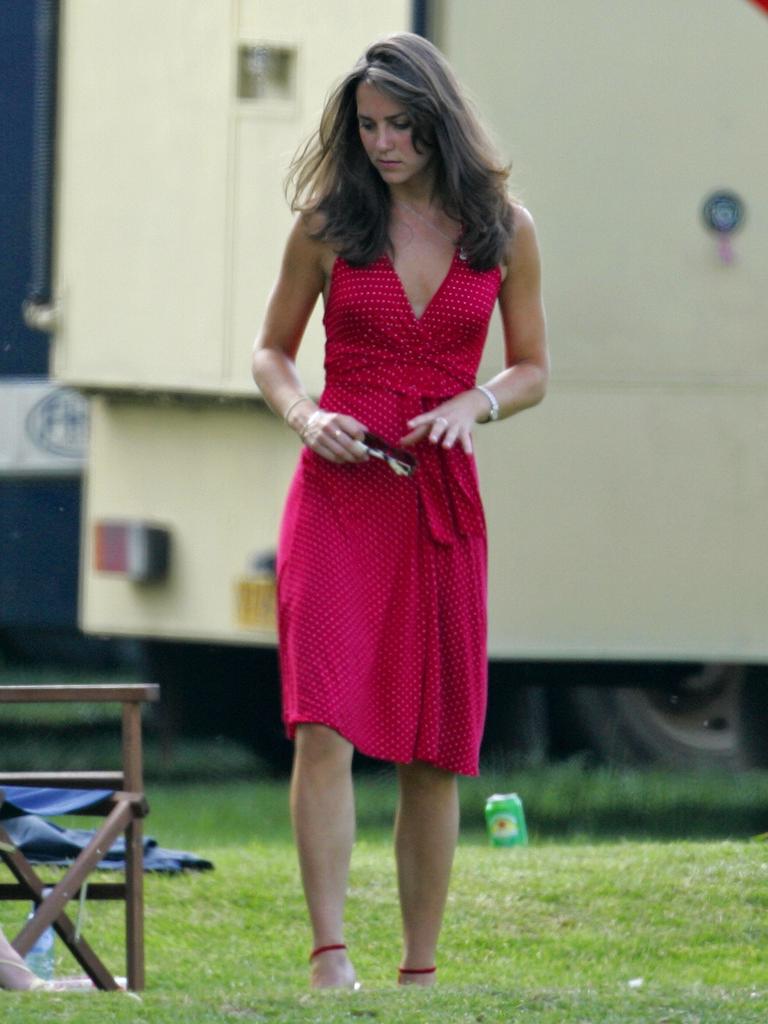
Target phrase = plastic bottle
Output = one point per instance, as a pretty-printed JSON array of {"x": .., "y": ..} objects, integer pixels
[
  {"x": 505, "y": 818},
  {"x": 42, "y": 957}
]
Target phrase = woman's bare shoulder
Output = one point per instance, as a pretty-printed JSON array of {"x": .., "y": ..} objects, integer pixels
[
  {"x": 521, "y": 218},
  {"x": 306, "y": 247},
  {"x": 307, "y": 238},
  {"x": 523, "y": 238},
  {"x": 521, "y": 277}
]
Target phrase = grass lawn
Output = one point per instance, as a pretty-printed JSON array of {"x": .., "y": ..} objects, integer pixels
[{"x": 582, "y": 926}]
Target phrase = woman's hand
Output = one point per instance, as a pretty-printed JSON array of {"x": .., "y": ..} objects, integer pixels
[
  {"x": 334, "y": 436},
  {"x": 450, "y": 422}
]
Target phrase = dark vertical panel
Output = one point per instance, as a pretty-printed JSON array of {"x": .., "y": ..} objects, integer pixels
[
  {"x": 22, "y": 352},
  {"x": 39, "y": 552},
  {"x": 420, "y": 18},
  {"x": 43, "y": 147}
]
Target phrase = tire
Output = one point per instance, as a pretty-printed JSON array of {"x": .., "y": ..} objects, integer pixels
[{"x": 711, "y": 716}]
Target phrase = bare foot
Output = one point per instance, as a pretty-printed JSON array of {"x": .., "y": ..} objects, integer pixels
[
  {"x": 332, "y": 969},
  {"x": 14, "y": 973}
]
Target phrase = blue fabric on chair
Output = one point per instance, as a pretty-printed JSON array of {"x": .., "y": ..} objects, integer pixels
[
  {"x": 42, "y": 842},
  {"x": 49, "y": 801}
]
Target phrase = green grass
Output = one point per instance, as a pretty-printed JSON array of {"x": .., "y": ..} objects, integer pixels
[{"x": 550, "y": 934}]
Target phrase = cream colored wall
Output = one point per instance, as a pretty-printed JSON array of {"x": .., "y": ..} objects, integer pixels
[
  {"x": 619, "y": 119},
  {"x": 171, "y": 210},
  {"x": 143, "y": 192},
  {"x": 626, "y": 513},
  {"x": 629, "y": 523}
]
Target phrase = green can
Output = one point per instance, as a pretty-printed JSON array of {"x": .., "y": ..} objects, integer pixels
[{"x": 505, "y": 818}]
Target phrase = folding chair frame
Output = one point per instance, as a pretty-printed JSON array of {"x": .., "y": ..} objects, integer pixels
[{"x": 124, "y": 811}]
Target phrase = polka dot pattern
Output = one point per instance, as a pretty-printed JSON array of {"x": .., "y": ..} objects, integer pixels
[{"x": 382, "y": 580}]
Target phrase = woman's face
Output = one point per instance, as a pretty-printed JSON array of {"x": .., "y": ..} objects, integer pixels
[{"x": 386, "y": 133}]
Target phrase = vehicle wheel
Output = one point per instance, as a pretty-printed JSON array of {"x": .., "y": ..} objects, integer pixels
[{"x": 710, "y": 716}]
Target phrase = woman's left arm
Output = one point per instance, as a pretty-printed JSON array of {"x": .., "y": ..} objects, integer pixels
[{"x": 523, "y": 381}]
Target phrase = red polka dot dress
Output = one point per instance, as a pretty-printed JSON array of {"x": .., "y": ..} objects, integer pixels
[{"x": 382, "y": 579}]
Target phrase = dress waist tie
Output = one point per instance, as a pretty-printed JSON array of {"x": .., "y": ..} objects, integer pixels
[{"x": 446, "y": 480}]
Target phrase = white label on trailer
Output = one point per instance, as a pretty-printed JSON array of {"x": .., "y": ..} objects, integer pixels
[{"x": 43, "y": 429}]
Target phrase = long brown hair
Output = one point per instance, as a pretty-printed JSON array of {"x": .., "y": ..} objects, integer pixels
[{"x": 332, "y": 175}]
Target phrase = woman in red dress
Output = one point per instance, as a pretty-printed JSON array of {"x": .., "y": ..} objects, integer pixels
[{"x": 405, "y": 228}]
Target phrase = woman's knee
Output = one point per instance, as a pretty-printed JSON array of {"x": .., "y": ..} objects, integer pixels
[
  {"x": 419, "y": 775},
  {"x": 319, "y": 744}
]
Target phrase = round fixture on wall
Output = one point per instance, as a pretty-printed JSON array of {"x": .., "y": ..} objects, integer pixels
[{"x": 723, "y": 214}]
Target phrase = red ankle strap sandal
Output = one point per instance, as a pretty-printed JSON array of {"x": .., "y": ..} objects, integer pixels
[
  {"x": 326, "y": 949},
  {"x": 417, "y": 970}
]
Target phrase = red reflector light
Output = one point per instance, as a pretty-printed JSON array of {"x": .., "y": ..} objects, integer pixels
[{"x": 137, "y": 550}]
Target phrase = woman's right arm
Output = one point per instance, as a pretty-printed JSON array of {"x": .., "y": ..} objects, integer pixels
[
  {"x": 300, "y": 281},
  {"x": 290, "y": 306}
]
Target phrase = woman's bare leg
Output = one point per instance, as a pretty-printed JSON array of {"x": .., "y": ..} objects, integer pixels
[
  {"x": 426, "y": 831},
  {"x": 323, "y": 811}
]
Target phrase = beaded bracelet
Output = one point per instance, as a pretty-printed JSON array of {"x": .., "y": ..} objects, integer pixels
[{"x": 493, "y": 414}]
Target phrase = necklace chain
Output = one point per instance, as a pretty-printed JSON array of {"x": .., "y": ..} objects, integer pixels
[{"x": 415, "y": 212}]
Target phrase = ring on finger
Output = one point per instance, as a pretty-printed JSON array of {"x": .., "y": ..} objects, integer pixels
[{"x": 337, "y": 433}]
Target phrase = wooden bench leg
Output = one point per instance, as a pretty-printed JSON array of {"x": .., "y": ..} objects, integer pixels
[
  {"x": 134, "y": 852},
  {"x": 51, "y": 909},
  {"x": 134, "y": 904}
]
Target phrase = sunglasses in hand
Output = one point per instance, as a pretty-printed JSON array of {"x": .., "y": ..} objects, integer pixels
[{"x": 399, "y": 460}]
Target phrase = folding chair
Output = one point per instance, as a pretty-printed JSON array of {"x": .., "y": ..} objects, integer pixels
[{"x": 123, "y": 805}]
